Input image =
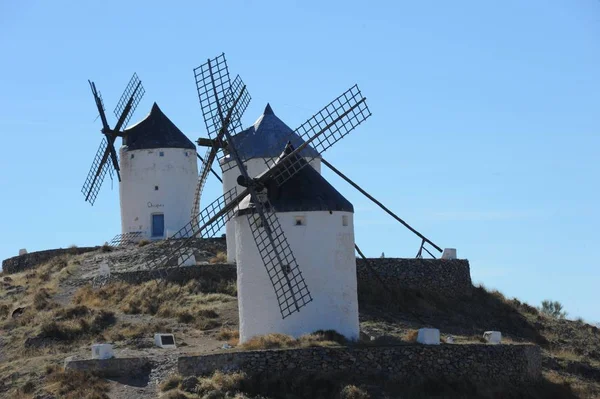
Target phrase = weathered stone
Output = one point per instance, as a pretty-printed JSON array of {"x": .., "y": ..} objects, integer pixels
[{"x": 503, "y": 363}]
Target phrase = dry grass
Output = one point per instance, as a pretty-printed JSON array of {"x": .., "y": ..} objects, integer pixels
[
  {"x": 221, "y": 383},
  {"x": 220, "y": 257},
  {"x": 76, "y": 385},
  {"x": 143, "y": 242},
  {"x": 231, "y": 336},
  {"x": 280, "y": 341},
  {"x": 170, "y": 383},
  {"x": 187, "y": 303},
  {"x": 353, "y": 392},
  {"x": 411, "y": 335}
]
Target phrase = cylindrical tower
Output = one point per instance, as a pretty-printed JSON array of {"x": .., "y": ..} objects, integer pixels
[
  {"x": 158, "y": 177},
  {"x": 318, "y": 224},
  {"x": 259, "y": 144}
]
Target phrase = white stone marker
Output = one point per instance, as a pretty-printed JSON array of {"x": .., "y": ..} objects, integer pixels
[
  {"x": 449, "y": 339},
  {"x": 429, "y": 336},
  {"x": 104, "y": 269},
  {"x": 166, "y": 341},
  {"x": 449, "y": 253},
  {"x": 22, "y": 251},
  {"x": 190, "y": 261},
  {"x": 102, "y": 351},
  {"x": 492, "y": 337}
]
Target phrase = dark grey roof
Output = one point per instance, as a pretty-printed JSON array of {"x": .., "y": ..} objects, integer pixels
[
  {"x": 155, "y": 131},
  {"x": 306, "y": 191},
  {"x": 266, "y": 138}
]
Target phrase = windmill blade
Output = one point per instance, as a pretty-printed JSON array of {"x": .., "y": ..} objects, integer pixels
[
  {"x": 100, "y": 106},
  {"x": 238, "y": 107},
  {"x": 125, "y": 239},
  {"x": 133, "y": 93},
  {"x": 336, "y": 120},
  {"x": 217, "y": 95},
  {"x": 279, "y": 261},
  {"x": 97, "y": 172},
  {"x": 272, "y": 245},
  {"x": 236, "y": 100},
  {"x": 212, "y": 219},
  {"x": 202, "y": 177}
]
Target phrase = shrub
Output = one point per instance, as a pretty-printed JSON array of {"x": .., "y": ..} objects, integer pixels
[
  {"x": 553, "y": 309},
  {"x": 411, "y": 335},
  {"x": 106, "y": 248},
  {"x": 76, "y": 385},
  {"x": 220, "y": 382},
  {"x": 170, "y": 383},
  {"x": 220, "y": 257},
  {"x": 40, "y": 300},
  {"x": 226, "y": 333},
  {"x": 353, "y": 392},
  {"x": 143, "y": 243}
]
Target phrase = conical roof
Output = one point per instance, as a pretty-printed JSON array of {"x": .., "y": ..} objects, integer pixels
[
  {"x": 266, "y": 138},
  {"x": 155, "y": 131},
  {"x": 306, "y": 191}
]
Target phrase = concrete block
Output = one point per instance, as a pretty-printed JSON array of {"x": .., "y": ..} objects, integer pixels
[
  {"x": 449, "y": 253},
  {"x": 191, "y": 261},
  {"x": 492, "y": 337},
  {"x": 166, "y": 341},
  {"x": 102, "y": 351},
  {"x": 22, "y": 251},
  {"x": 104, "y": 269},
  {"x": 429, "y": 336}
]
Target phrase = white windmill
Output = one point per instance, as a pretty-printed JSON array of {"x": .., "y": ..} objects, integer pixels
[
  {"x": 257, "y": 146},
  {"x": 157, "y": 168},
  {"x": 287, "y": 228},
  {"x": 293, "y": 230}
]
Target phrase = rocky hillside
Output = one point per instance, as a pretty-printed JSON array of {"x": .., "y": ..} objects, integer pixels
[{"x": 54, "y": 311}]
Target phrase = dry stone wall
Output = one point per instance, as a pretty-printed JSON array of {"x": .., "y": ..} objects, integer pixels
[
  {"x": 449, "y": 278},
  {"x": 32, "y": 259},
  {"x": 405, "y": 363}
]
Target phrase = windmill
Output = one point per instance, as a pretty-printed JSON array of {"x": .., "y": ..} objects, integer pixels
[
  {"x": 223, "y": 101},
  {"x": 132, "y": 95}
]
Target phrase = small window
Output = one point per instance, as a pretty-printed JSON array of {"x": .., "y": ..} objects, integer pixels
[
  {"x": 186, "y": 153},
  {"x": 132, "y": 155},
  {"x": 155, "y": 188},
  {"x": 299, "y": 221},
  {"x": 161, "y": 154},
  {"x": 344, "y": 220}
]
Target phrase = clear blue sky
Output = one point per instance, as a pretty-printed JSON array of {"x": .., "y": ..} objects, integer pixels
[{"x": 484, "y": 135}]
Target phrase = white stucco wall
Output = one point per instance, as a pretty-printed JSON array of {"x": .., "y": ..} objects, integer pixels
[
  {"x": 255, "y": 166},
  {"x": 175, "y": 174},
  {"x": 324, "y": 250}
]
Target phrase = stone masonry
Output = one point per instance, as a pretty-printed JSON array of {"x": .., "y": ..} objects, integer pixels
[
  {"x": 32, "y": 259},
  {"x": 403, "y": 363}
]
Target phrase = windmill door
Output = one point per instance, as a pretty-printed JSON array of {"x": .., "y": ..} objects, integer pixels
[{"x": 158, "y": 225}]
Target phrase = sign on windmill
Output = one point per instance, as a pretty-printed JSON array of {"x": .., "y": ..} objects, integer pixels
[{"x": 264, "y": 228}]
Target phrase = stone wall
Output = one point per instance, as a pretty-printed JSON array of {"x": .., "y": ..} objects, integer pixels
[
  {"x": 449, "y": 278},
  {"x": 32, "y": 259},
  {"x": 477, "y": 363},
  {"x": 115, "y": 367}
]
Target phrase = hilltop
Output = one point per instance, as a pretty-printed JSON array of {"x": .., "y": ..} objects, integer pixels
[{"x": 57, "y": 309}]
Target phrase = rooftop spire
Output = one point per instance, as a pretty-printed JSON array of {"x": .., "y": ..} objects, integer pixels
[{"x": 268, "y": 110}]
